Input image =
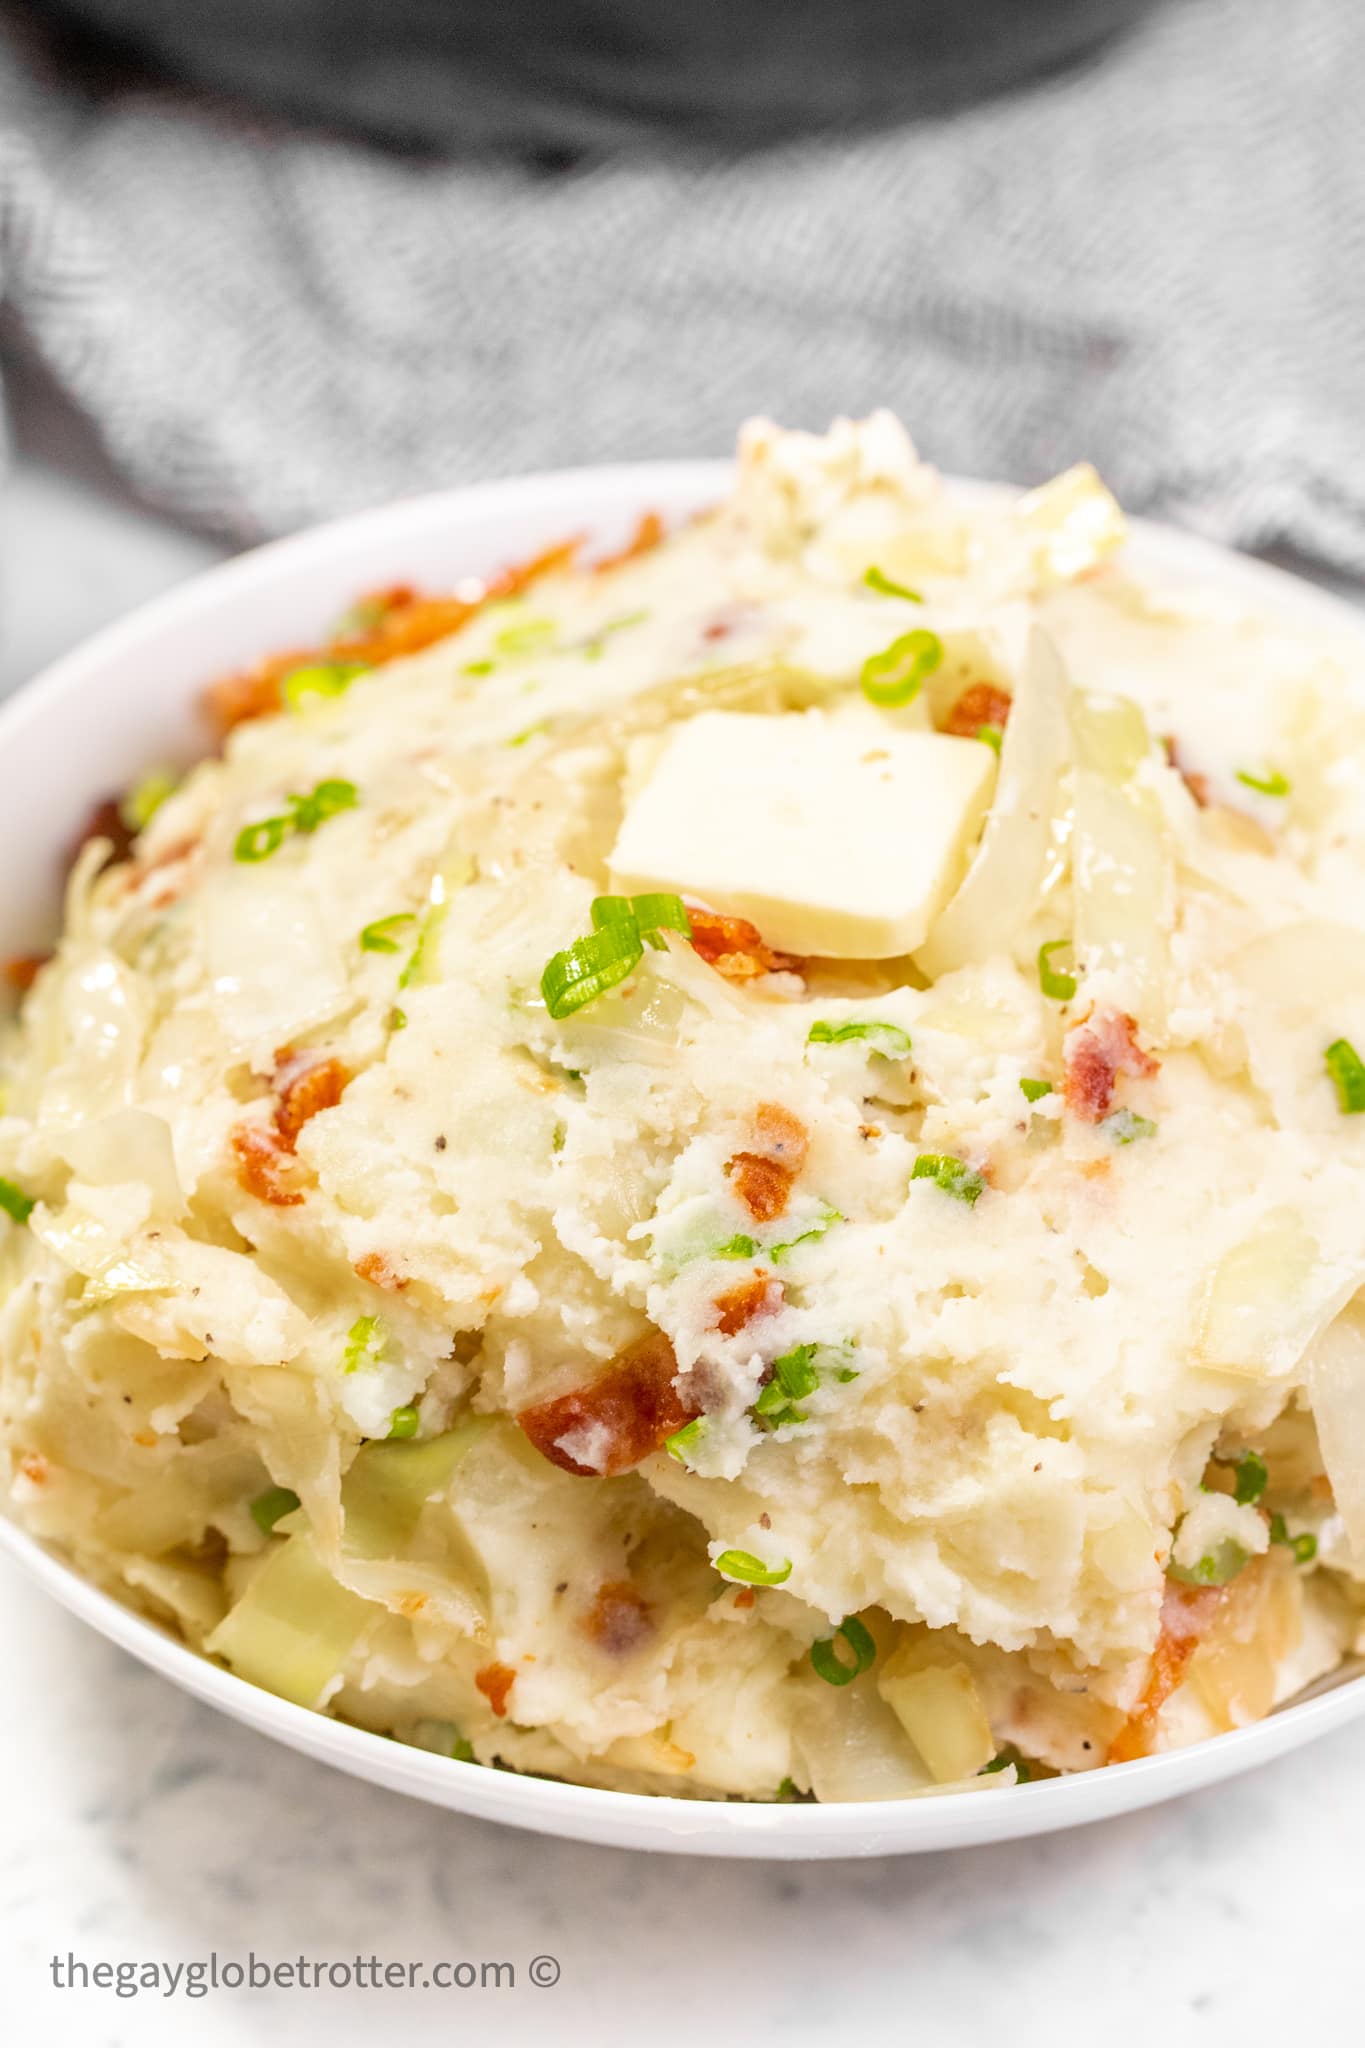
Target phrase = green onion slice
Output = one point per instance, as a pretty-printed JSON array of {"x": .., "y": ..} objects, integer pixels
[
  {"x": 1250, "y": 1479},
  {"x": 321, "y": 680},
  {"x": 379, "y": 936},
  {"x": 895, "y": 676},
  {"x": 272, "y": 1506},
  {"x": 990, "y": 736},
  {"x": 740, "y": 1247},
  {"x": 827, "y": 1661},
  {"x": 1060, "y": 987},
  {"x": 954, "y": 1176},
  {"x": 364, "y": 1343},
  {"x": 1303, "y": 1548},
  {"x": 877, "y": 579},
  {"x": 1214, "y": 1568},
  {"x": 259, "y": 841},
  {"x": 1347, "y": 1070},
  {"x": 1271, "y": 784},
  {"x": 778, "y": 1252},
  {"x": 1125, "y": 1125},
  {"x": 1034, "y": 1091},
  {"x": 589, "y": 967},
  {"x": 404, "y": 1422},
  {"x": 594, "y": 646},
  {"x": 526, "y": 636},
  {"x": 684, "y": 1441},
  {"x": 742, "y": 1564},
  {"x": 146, "y": 797},
  {"x": 322, "y": 803},
  {"x": 895, "y": 1042},
  {"x": 15, "y": 1203}
]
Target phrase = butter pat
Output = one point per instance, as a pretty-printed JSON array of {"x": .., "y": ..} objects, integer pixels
[{"x": 836, "y": 836}]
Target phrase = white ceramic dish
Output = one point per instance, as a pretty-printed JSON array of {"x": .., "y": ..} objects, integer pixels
[{"x": 127, "y": 698}]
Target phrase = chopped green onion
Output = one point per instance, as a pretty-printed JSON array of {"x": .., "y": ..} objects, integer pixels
[
  {"x": 364, "y": 1343},
  {"x": 379, "y": 936},
  {"x": 894, "y": 677},
  {"x": 787, "y": 1792},
  {"x": 1214, "y": 1568},
  {"x": 1347, "y": 1070},
  {"x": 527, "y": 636},
  {"x": 897, "y": 1042},
  {"x": 1022, "y": 1773},
  {"x": 593, "y": 647},
  {"x": 441, "y": 1738},
  {"x": 1303, "y": 1548},
  {"x": 830, "y": 1666},
  {"x": 588, "y": 968},
  {"x": 404, "y": 1422},
  {"x": 15, "y": 1203},
  {"x": 272, "y": 1506},
  {"x": 479, "y": 668},
  {"x": 1060, "y": 987},
  {"x": 876, "y": 579},
  {"x": 259, "y": 841},
  {"x": 146, "y": 797},
  {"x": 778, "y": 1252},
  {"x": 398, "y": 1020},
  {"x": 419, "y": 964},
  {"x": 622, "y": 925},
  {"x": 742, "y": 1564},
  {"x": 1034, "y": 1091},
  {"x": 1273, "y": 784},
  {"x": 736, "y": 1248},
  {"x": 684, "y": 1441},
  {"x": 531, "y": 732},
  {"x": 954, "y": 1176},
  {"x": 321, "y": 679},
  {"x": 990, "y": 736},
  {"x": 322, "y": 803},
  {"x": 1125, "y": 1125},
  {"x": 1250, "y": 1478}
]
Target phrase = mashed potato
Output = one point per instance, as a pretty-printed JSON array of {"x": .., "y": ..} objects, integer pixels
[{"x": 742, "y": 1176}]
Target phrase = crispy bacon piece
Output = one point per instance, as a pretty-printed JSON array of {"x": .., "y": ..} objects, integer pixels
[
  {"x": 1098, "y": 1049},
  {"x": 375, "y": 1268},
  {"x": 616, "y": 1420},
  {"x": 980, "y": 704},
  {"x": 1197, "y": 785},
  {"x": 393, "y": 622},
  {"x": 495, "y": 1681},
  {"x": 265, "y": 1164},
  {"x": 619, "y": 1619},
  {"x": 23, "y": 970},
  {"x": 763, "y": 1177},
  {"x": 1186, "y": 1613},
  {"x": 304, "y": 1091},
  {"x": 737, "y": 1307},
  {"x": 649, "y": 531},
  {"x": 734, "y": 947}
]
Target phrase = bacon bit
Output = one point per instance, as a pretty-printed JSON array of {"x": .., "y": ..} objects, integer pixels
[
  {"x": 264, "y": 1164},
  {"x": 1186, "y": 1613},
  {"x": 23, "y": 970},
  {"x": 737, "y": 1307},
  {"x": 735, "y": 948},
  {"x": 106, "y": 821},
  {"x": 495, "y": 1681},
  {"x": 35, "y": 1468},
  {"x": 375, "y": 1268},
  {"x": 619, "y": 1619},
  {"x": 618, "y": 1419},
  {"x": 648, "y": 533},
  {"x": 761, "y": 1184},
  {"x": 1099, "y": 1049},
  {"x": 304, "y": 1092},
  {"x": 1197, "y": 785},
  {"x": 745, "y": 1597},
  {"x": 780, "y": 1135},
  {"x": 719, "y": 629},
  {"x": 397, "y": 621},
  {"x": 980, "y": 704}
]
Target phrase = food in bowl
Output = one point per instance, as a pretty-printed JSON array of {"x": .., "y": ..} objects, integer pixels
[{"x": 729, "y": 1172}]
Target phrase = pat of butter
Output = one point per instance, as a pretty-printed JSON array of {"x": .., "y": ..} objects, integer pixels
[{"x": 842, "y": 837}]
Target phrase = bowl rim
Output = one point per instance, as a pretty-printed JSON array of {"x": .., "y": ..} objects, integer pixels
[{"x": 609, "y": 494}]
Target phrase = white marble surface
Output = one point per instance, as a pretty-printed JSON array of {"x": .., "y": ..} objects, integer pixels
[{"x": 136, "y": 1826}]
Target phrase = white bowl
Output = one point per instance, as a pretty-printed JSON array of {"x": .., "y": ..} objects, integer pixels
[{"x": 97, "y": 718}]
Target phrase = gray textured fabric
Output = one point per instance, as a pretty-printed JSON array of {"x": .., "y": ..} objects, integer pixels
[{"x": 1156, "y": 261}]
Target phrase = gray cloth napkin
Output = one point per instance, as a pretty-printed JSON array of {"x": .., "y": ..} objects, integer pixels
[{"x": 1155, "y": 261}]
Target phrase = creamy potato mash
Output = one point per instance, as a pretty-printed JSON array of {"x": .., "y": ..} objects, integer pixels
[{"x": 734, "y": 1172}]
